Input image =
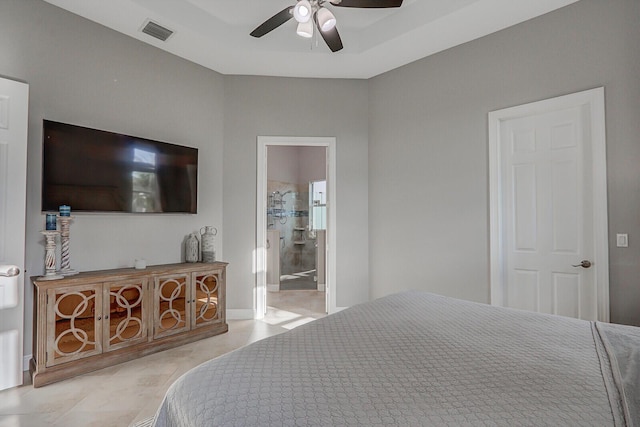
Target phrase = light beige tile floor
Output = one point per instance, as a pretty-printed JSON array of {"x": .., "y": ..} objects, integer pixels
[{"x": 126, "y": 393}]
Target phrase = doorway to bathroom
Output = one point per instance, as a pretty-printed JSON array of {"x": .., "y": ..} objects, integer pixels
[{"x": 295, "y": 220}]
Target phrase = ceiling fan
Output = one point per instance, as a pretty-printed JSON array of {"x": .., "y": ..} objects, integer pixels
[{"x": 310, "y": 12}]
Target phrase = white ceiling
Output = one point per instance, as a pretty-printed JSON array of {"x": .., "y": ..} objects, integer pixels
[{"x": 215, "y": 33}]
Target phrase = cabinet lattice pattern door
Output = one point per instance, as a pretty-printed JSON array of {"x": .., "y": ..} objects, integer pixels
[
  {"x": 171, "y": 305},
  {"x": 125, "y": 313},
  {"x": 73, "y": 322},
  {"x": 206, "y": 298}
]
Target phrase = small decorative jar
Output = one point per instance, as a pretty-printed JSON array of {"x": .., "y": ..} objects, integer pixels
[
  {"x": 191, "y": 248},
  {"x": 208, "y": 245}
]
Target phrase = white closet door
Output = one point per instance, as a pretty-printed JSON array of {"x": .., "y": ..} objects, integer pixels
[
  {"x": 547, "y": 214},
  {"x": 14, "y": 98}
]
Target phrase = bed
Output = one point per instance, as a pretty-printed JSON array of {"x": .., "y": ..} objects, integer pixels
[{"x": 416, "y": 358}]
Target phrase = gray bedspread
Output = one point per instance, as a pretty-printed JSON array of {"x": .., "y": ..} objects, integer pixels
[{"x": 416, "y": 358}]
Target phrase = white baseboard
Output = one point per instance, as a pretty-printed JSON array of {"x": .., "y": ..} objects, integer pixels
[
  {"x": 240, "y": 314},
  {"x": 25, "y": 362},
  {"x": 321, "y": 287},
  {"x": 273, "y": 288}
]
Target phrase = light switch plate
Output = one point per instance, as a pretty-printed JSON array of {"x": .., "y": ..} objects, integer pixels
[{"x": 622, "y": 240}]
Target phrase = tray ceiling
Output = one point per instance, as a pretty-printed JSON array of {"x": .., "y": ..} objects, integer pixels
[{"x": 215, "y": 33}]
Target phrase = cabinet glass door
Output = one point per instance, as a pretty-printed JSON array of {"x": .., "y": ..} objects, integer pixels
[
  {"x": 206, "y": 298},
  {"x": 124, "y": 314},
  {"x": 73, "y": 323},
  {"x": 171, "y": 315}
]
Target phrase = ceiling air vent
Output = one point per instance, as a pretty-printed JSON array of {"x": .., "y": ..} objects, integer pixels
[{"x": 156, "y": 30}]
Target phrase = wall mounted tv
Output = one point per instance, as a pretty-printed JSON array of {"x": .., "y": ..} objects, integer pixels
[{"x": 97, "y": 171}]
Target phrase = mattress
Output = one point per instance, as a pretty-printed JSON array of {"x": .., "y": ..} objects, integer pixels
[{"x": 416, "y": 358}]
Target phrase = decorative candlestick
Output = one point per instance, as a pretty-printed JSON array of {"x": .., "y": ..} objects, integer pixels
[
  {"x": 65, "y": 263},
  {"x": 50, "y": 256}
]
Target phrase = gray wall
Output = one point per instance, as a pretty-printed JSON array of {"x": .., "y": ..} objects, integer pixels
[
  {"x": 428, "y": 165},
  {"x": 85, "y": 74},
  {"x": 421, "y": 201},
  {"x": 297, "y": 165},
  {"x": 268, "y": 106},
  {"x": 312, "y": 164},
  {"x": 283, "y": 164},
  {"x": 82, "y": 73}
]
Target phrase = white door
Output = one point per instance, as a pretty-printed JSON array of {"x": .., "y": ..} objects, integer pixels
[
  {"x": 547, "y": 211},
  {"x": 14, "y": 98}
]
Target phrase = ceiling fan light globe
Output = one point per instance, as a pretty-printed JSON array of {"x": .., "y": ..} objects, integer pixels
[
  {"x": 302, "y": 11},
  {"x": 305, "y": 29},
  {"x": 326, "y": 20}
]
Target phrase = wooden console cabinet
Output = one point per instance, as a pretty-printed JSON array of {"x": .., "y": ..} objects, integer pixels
[{"x": 96, "y": 319}]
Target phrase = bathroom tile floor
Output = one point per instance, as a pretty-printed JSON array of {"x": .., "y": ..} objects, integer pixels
[
  {"x": 121, "y": 395},
  {"x": 303, "y": 280}
]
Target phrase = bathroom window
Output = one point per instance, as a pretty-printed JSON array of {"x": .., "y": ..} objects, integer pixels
[{"x": 317, "y": 205}]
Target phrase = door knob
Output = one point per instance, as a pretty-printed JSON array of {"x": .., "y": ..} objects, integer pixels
[
  {"x": 585, "y": 263},
  {"x": 11, "y": 272}
]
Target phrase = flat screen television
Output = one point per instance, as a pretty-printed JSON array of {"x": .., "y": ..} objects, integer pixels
[{"x": 98, "y": 171}]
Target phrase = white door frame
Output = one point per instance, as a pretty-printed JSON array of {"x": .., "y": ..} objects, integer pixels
[
  {"x": 593, "y": 101},
  {"x": 260, "y": 252}
]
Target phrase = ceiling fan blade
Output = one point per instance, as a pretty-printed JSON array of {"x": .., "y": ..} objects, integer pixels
[
  {"x": 375, "y": 4},
  {"x": 274, "y": 22},
  {"x": 331, "y": 37}
]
